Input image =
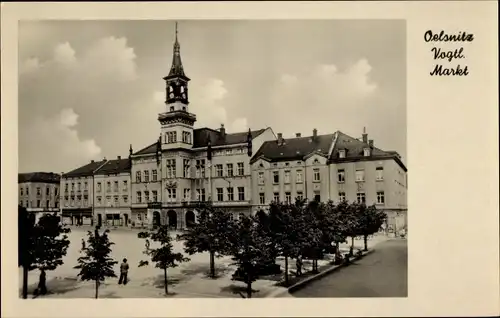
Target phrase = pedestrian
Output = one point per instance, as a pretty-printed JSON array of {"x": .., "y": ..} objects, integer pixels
[
  {"x": 298, "y": 264},
  {"x": 147, "y": 244},
  {"x": 83, "y": 244},
  {"x": 123, "y": 272},
  {"x": 42, "y": 286}
]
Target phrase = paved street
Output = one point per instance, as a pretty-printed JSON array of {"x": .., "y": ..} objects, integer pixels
[{"x": 382, "y": 273}]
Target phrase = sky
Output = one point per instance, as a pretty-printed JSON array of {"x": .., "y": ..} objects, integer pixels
[{"x": 88, "y": 89}]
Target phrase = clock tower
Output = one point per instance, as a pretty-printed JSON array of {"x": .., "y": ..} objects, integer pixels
[{"x": 176, "y": 122}]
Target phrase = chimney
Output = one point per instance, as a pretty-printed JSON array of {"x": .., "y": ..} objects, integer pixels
[
  {"x": 92, "y": 161},
  {"x": 370, "y": 142},
  {"x": 365, "y": 136},
  {"x": 280, "y": 138},
  {"x": 119, "y": 157},
  {"x": 222, "y": 131},
  {"x": 104, "y": 159},
  {"x": 297, "y": 135},
  {"x": 315, "y": 133}
]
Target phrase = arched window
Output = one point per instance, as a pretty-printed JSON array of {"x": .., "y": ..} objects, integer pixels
[
  {"x": 170, "y": 89},
  {"x": 182, "y": 89}
]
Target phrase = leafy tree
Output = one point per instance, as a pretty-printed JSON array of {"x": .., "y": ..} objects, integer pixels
[
  {"x": 96, "y": 264},
  {"x": 50, "y": 245},
  {"x": 248, "y": 249},
  {"x": 41, "y": 246},
  {"x": 210, "y": 234},
  {"x": 312, "y": 234},
  {"x": 163, "y": 256},
  {"x": 351, "y": 219},
  {"x": 370, "y": 219}
]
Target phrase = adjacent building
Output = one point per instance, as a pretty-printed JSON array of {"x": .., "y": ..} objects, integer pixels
[
  {"x": 239, "y": 171},
  {"x": 39, "y": 192}
]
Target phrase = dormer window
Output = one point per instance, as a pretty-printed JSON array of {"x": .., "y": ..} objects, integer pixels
[
  {"x": 342, "y": 153},
  {"x": 316, "y": 161},
  {"x": 366, "y": 152}
]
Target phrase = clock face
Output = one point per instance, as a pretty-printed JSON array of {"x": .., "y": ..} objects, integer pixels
[{"x": 171, "y": 95}]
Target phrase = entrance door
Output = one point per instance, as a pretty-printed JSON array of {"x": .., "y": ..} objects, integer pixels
[
  {"x": 190, "y": 219},
  {"x": 172, "y": 219},
  {"x": 125, "y": 218},
  {"x": 99, "y": 220},
  {"x": 156, "y": 218}
]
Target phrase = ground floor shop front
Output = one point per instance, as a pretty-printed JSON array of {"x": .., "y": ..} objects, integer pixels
[
  {"x": 112, "y": 217},
  {"x": 77, "y": 216}
]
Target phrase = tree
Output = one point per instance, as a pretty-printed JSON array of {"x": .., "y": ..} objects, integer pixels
[
  {"x": 163, "y": 256},
  {"x": 349, "y": 214},
  {"x": 312, "y": 234},
  {"x": 210, "y": 234},
  {"x": 370, "y": 219},
  {"x": 50, "y": 245},
  {"x": 41, "y": 245},
  {"x": 248, "y": 249},
  {"x": 96, "y": 264}
]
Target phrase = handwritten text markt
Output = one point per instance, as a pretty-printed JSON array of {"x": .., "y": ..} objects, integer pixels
[{"x": 449, "y": 55}]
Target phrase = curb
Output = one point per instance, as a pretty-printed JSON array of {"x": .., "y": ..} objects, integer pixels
[{"x": 283, "y": 291}]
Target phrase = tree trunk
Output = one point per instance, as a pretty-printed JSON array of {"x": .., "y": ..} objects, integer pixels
[
  {"x": 165, "y": 280},
  {"x": 286, "y": 270},
  {"x": 351, "y": 249},
  {"x": 365, "y": 238},
  {"x": 25, "y": 281},
  {"x": 212, "y": 264},
  {"x": 249, "y": 290},
  {"x": 42, "y": 282},
  {"x": 96, "y": 289}
]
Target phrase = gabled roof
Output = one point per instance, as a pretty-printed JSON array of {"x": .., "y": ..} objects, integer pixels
[
  {"x": 354, "y": 151},
  {"x": 86, "y": 170},
  {"x": 201, "y": 136},
  {"x": 42, "y": 177},
  {"x": 294, "y": 148},
  {"x": 115, "y": 166}
]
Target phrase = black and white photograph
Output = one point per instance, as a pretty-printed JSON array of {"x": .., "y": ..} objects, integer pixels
[{"x": 212, "y": 159}]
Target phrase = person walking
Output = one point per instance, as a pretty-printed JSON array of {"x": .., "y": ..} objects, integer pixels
[
  {"x": 123, "y": 272},
  {"x": 83, "y": 244},
  {"x": 298, "y": 264},
  {"x": 147, "y": 244}
]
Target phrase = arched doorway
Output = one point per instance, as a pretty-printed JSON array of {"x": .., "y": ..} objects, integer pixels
[
  {"x": 190, "y": 219},
  {"x": 172, "y": 219},
  {"x": 156, "y": 218}
]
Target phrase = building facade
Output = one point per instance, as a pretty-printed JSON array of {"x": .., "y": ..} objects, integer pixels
[
  {"x": 239, "y": 171},
  {"x": 39, "y": 192}
]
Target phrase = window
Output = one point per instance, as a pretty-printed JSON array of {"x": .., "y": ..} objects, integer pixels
[
  {"x": 37, "y": 203},
  {"x": 287, "y": 176},
  {"x": 202, "y": 194},
  {"x": 99, "y": 199},
  {"x": 276, "y": 197},
  {"x": 341, "y": 196},
  {"x": 276, "y": 176},
  {"x": 218, "y": 170},
  {"x": 200, "y": 168},
  {"x": 146, "y": 196},
  {"x": 125, "y": 185},
  {"x": 47, "y": 191},
  {"x": 360, "y": 175},
  {"x": 146, "y": 176},
  {"x": 241, "y": 193},
  {"x": 155, "y": 196},
  {"x": 98, "y": 187},
  {"x": 380, "y": 173},
  {"x": 65, "y": 188},
  {"x": 340, "y": 176},
  {"x": 300, "y": 195},
  {"x": 139, "y": 197},
  {"x": 316, "y": 175},
  {"x": 72, "y": 186},
  {"x": 21, "y": 192},
  {"x": 341, "y": 153},
  {"x": 220, "y": 194},
  {"x": 299, "y": 176},
  {"x": 288, "y": 197},
  {"x": 108, "y": 186},
  {"x": 228, "y": 151},
  {"x": 172, "y": 194},
  {"x": 230, "y": 194},
  {"x": 170, "y": 168},
  {"x": 317, "y": 196},
  {"x": 154, "y": 175},
  {"x": 138, "y": 176},
  {"x": 79, "y": 186},
  {"x": 229, "y": 169},
  {"x": 366, "y": 152},
  {"x": 86, "y": 185},
  {"x": 262, "y": 198},
  {"x": 55, "y": 191},
  {"x": 261, "y": 177},
  {"x": 115, "y": 187},
  {"x": 116, "y": 200},
  {"x": 187, "y": 194},
  {"x": 125, "y": 199},
  {"x": 171, "y": 108},
  {"x": 139, "y": 217},
  {"x": 185, "y": 169},
  {"x": 241, "y": 169},
  {"x": 38, "y": 191},
  {"x": 171, "y": 137},
  {"x": 186, "y": 136},
  {"x": 360, "y": 197},
  {"x": 47, "y": 203},
  {"x": 380, "y": 197}
]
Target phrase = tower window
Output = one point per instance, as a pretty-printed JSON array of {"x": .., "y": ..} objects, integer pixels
[
  {"x": 184, "y": 108},
  {"x": 171, "y": 108}
]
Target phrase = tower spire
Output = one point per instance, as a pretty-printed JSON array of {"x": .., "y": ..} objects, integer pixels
[{"x": 177, "y": 68}]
